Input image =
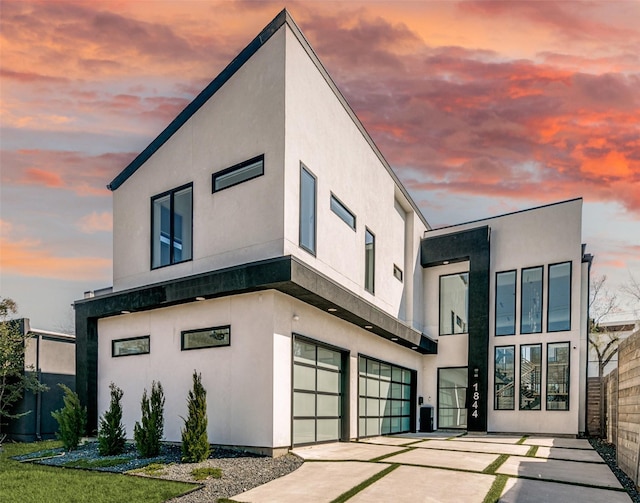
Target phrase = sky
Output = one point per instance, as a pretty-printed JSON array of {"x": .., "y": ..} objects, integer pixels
[{"x": 480, "y": 107}]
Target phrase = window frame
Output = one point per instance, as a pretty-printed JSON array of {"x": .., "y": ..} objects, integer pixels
[
  {"x": 372, "y": 287},
  {"x": 304, "y": 168},
  {"x": 128, "y": 339},
  {"x": 344, "y": 207},
  {"x": 515, "y": 304},
  {"x": 546, "y": 399},
  {"x": 541, "y": 267},
  {"x": 542, "y": 378},
  {"x": 465, "y": 408},
  {"x": 236, "y": 167},
  {"x": 171, "y": 193},
  {"x": 466, "y": 331},
  {"x": 183, "y": 333},
  {"x": 570, "y": 262},
  {"x": 495, "y": 390}
]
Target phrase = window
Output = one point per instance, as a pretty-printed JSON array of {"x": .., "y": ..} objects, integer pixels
[
  {"x": 307, "y": 210},
  {"x": 530, "y": 376},
  {"x": 504, "y": 378},
  {"x": 369, "y": 261},
  {"x": 343, "y": 212},
  {"x": 397, "y": 273},
  {"x": 452, "y": 397},
  {"x": 171, "y": 227},
  {"x": 130, "y": 346},
  {"x": 454, "y": 303},
  {"x": 206, "y": 338},
  {"x": 558, "y": 376},
  {"x": 506, "y": 303},
  {"x": 239, "y": 173},
  {"x": 559, "y": 307},
  {"x": 531, "y": 309}
]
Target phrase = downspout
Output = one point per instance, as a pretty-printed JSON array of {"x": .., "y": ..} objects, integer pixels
[
  {"x": 587, "y": 257},
  {"x": 38, "y": 392}
]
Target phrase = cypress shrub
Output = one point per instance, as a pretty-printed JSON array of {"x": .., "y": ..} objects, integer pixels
[
  {"x": 195, "y": 443},
  {"x": 72, "y": 419},
  {"x": 148, "y": 433},
  {"x": 111, "y": 436}
]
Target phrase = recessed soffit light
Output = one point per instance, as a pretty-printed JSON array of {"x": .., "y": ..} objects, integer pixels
[{"x": 332, "y": 309}]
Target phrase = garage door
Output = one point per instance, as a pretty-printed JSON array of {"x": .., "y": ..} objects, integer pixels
[{"x": 317, "y": 392}]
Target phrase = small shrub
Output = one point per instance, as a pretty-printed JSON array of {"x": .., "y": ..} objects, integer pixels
[
  {"x": 72, "y": 419},
  {"x": 205, "y": 472},
  {"x": 195, "y": 443},
  {"x": 148, "y": 433},
  {"x": 111, "y": 437}
]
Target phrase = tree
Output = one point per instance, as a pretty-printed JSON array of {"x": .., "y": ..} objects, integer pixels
[
  {"x": 632, "y": 291},
  {"x": 72, "y": 419},
  {"x": 195, "y": 443},
  {"x": 148, "y": 433},
  {"x": 15, "y": 377},
  {"x": 604, "y": 341},
  {"x": 112, "y": 436}
]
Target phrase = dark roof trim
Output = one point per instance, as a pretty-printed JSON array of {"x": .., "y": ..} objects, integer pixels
[{"x": 201, "y": 99}]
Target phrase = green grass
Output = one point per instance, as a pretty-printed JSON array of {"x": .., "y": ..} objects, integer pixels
[
  {"x": 496, "y": 489},
  {"x": 95, "y": 463},
  {"x": 32, "y": 483},
  {"x": 531, "y": 453},
  {"x": 521, "y": 441},
  {"x": 151, "y": 469},
  {"x": 491, "y": 469},
  {"x": 205, "y": 472},
  {"x": 363, "y": 485}
]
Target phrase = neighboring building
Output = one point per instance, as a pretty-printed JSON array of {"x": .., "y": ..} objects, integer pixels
[
  {"x": 263, "y": 240},
  {"x": 52, "y": 356},
  {"x": 610, "y": 330}
]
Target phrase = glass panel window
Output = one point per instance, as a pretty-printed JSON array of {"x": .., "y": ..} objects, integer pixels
[
  {"x": 531, "y": 309},
  {"x": 304, "y": 352},
  {"x": 452, "y": 394},
  {"x": 454, "y": 304},
  {"x": 304, "y": 431},
  {"x": 558, "y": 376},
  {"x": 304, "y": 377},
  {"x": 530, "y": 376},
  {"x": 328, "y": 405},
  {"x": 559, "y": 308},
  {"x": 307, "y": 210},
  {"x": 130, "y": 346},
  {"x": 239, "y": 173},
  {"x": 369, "y": 261},
  {"x": 504, "y": 378},
  {"x": 206, "y": 338},
  {"x": 343, "y": 212},
  {"x": 171, "y": 227},
  {"x": 328, "y": 381},
  {"x": 328, "y": 429},
  {"x": 304, "y": 404},
  {"x": 506, "y": 303}
]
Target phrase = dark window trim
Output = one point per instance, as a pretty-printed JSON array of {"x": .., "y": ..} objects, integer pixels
[
  {"x": 570, "y": 262},
  {"x": 127, "y": 339},
  {"x": 542, "y": 377},
  {"x": 158, "y": 196},
  {"x": 513, "y": 346},
  {"x": 184, "y": 332},
  {"x": 315, "y": 211},
  {"x": 546, "y": 381},
  {"x": 542, "y": 299},
  {"x": 373, "y": 278},
  {"x": 345, "y": 208},
  {"x": 440, "y": 305},
  {"x": 515, "y": 309},
  {"x": 233, "y": 168},
  {"x": 437, "y": 411},
  {"x": 397, "y": 273}
]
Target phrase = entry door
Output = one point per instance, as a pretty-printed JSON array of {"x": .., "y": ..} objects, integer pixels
[
  {"x": 452, "y": 396},
  {"x": 317, "y": 393}
]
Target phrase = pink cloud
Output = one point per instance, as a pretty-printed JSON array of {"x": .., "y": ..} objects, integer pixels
[{"x": 96, "y": 222}]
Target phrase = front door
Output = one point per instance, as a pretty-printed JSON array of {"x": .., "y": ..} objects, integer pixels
[{"x": 452, "y": 396}]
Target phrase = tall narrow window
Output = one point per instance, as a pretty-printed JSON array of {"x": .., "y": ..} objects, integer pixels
[
  {"x": 506, "y": 303},
  {"x": 307, "y": 210},
  {"x": 369, "y": 260},
  {"x": 171, "y": 226},
  {"x": 559, "y": 307},
  {"x": 531, "y": 309},
  {"x": 454, "y": 303},
  {"x": 558, "y": 376},
  {"x": 504, "y": 378},
  {"x": 530, "y": 376}
]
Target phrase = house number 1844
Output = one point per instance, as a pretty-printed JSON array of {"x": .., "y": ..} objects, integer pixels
[{"x": 476, "y": 398}]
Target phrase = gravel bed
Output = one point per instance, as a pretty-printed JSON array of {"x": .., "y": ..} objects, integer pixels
[{"x": 608, "y": 453}]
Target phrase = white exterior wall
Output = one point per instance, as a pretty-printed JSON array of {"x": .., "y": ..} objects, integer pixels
[{"x": 244, "y": 118}]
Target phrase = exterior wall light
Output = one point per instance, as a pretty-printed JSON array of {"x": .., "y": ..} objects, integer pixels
[
  {"x": 200, "y": 298},
  {"x": 332, "y": 309}
]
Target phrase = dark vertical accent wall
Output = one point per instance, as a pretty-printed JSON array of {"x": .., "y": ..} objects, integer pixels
[
  {"x": 472, "y": 245},
  {"x": 87, "y": 364}
]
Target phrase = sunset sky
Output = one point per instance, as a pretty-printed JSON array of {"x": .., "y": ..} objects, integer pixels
[{"x": 481, "y": 108}]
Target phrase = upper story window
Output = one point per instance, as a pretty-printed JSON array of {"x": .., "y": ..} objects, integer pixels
[
  {"x": 454, "y": 304},
  {"x": 343, "y": 212},
  {"x": 307, "y": 210},
  {"x": 239, "y": 173},
  {"x": 369, "y": 261},
  {"x": 171, "y": 226},
  {"x": 559, "y": 303},
  {"x": 531, "y": 309},
  {"x": 506, "y": 303}
]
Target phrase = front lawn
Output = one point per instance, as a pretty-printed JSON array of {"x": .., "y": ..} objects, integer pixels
[{"x": 32, "y": 483}]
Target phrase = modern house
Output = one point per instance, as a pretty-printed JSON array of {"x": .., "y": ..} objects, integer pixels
[{"x": 263, "y": 240}]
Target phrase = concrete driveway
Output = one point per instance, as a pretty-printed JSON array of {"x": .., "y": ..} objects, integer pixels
[{"x": 437, "y": 468}]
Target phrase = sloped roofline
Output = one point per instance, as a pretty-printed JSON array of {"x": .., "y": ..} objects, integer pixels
[{"x": 281, "y": 19}]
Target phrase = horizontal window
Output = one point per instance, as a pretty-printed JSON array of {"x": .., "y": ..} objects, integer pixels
[
  {"x": 239, "y": 173},
  {"x": 397, "y": 272},
  {"x": 130, "y": 346},
  {"x": 206, "y": 338},
  {"x": 343, "y": 212}
]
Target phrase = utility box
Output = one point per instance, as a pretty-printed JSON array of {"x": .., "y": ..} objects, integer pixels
[{"x": 426, "y": 419}]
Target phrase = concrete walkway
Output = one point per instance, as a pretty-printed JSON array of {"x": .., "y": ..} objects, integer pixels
[{"x": 446, "y": 469}]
